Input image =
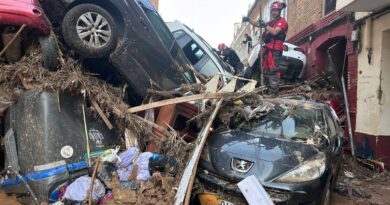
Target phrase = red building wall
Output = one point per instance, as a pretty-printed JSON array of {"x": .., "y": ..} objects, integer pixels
[
  {"x": 314, "y": 39},
  {"x": 317, "y": 38}
]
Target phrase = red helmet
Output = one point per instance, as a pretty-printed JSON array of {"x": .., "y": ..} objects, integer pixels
[
  {"x": 278, "y": 5},
  {"x": 221, "y": 47}
]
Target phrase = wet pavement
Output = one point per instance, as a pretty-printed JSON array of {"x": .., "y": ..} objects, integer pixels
[{"x": 335, "y": 200}]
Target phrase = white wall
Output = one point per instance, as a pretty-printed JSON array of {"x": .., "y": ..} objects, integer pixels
[
  {"x": 384, "y": 126},
  {"x": 373, "y": 110}
]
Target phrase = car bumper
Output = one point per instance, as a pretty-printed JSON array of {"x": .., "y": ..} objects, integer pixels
[
  {"x": 31, "y": 15},
  {"x": 308, "y": 195}
]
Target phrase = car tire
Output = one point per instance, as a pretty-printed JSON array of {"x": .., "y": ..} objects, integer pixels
[
  {"x": 50, "y": 52},
  {"x": 90, "y": 30}
]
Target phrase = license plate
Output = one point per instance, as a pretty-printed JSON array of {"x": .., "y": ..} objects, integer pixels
[{"x": 226, "y": 203}]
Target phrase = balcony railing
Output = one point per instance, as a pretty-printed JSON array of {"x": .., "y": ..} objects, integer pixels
[{"x": 244, "y": 52}]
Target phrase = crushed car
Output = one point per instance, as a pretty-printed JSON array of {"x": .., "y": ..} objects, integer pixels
[
  {"x": 29, "y": 13},
  {"x": 127, "y": 36},
  {"x": 45, "y": 144},
  {"x": 200, "y": 54},
  {"x": 294, "y": 148}
]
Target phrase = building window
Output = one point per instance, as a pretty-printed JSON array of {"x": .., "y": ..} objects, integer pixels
[{"x": 329, "y": 6}]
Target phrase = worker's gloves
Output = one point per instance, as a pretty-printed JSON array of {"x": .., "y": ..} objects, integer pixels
[
  {"x": 262, "y": 23},
  {"x": 245, "y": 19}
]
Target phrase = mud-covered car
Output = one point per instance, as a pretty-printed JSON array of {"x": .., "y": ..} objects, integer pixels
[
  {"x": 128, "y": 34},
  {"x": 45, "y": 145},
  {"x": 14, "y": 14},
  {"x": 294, "y": 148}
]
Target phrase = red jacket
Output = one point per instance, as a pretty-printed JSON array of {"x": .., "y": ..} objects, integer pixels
[{"x": 274, "y": 42}]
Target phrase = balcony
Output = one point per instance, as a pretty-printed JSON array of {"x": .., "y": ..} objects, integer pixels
[
  {"x": 361, "y": 5},
  {"x": 244, "y": 52}
]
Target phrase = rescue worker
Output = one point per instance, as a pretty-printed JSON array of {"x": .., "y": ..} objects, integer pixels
[
  {"x": 274, "y": 36},
  {"x": 230, "y": 56}
]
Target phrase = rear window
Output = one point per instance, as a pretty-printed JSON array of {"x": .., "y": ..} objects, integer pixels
[{"x": 193, "y": 52}]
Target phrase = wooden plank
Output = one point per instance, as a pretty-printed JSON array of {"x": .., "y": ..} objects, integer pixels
[
  {"x": 102, "y": 115},
  {"x": 86, "y": 136},
  {"x": 230, "y": 87},
  {"x": 174, "y": 101},
  {"x": 253, "y": 192},
  {"x": 26, "y": 85},
  {"x": 164, "y": 132},
  {"x": 131, "y": 139},
  {"x": 187, "y": 180},
  {"x": 12, "y": 40}
]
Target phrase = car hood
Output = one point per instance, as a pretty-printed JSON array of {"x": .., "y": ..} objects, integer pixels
[{"x": 271, "y": 157}]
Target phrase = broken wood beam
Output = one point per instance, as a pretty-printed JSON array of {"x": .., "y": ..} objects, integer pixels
[
  {"x": 175, "y": 101},
  {"x": 90, "y": 190},
  {"x": 12, "y": 40},
  {"x": 26, "y": 85},
  {"x": 101, "y": 114},
  {"x": 161, "y": 129},
  {"x": 187, "y": 180}
]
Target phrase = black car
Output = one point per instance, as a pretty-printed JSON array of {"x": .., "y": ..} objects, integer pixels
[
  {"x": 294, "y": 150},
  {"x": 129, "y": 34},
  {"x": 45, "y": 143}
]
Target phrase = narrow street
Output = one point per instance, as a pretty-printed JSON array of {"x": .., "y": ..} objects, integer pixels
[{"x": 223, "y": 102}]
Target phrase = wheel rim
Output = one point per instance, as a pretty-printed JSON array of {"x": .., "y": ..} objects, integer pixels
[{"x": 93, "y": 29}]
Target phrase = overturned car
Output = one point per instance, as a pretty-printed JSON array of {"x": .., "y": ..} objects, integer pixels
[
  {"x": 126, "y": 37},
  {"x": 294, "y": 148},
  {"x": 45, "y": 145}
]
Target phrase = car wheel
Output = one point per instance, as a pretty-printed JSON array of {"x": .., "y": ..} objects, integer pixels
[
  {"x": 90, "y": 30},
  {"x": 50, "y": 52}
]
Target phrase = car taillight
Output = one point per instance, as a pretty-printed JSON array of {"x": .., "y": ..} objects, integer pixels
[{"x": 299, "y": 50}]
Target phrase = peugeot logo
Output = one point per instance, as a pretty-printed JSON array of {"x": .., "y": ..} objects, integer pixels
[{"x": 241, "y": 165}]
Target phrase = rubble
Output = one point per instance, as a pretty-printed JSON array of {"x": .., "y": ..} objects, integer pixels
[
  {"x": 106, "y": 100},
  {"x": 362, "y": 185}
]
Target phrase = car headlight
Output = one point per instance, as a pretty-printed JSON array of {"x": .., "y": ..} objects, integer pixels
[
  {"x": 205, "y": 155},
  {"x": 309, "y": 170}
]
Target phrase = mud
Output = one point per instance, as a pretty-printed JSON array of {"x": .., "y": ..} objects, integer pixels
[{"x": 71, "y": 77}]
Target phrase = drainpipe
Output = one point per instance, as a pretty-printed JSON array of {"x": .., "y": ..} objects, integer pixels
[{"x": 368, "y": 38}]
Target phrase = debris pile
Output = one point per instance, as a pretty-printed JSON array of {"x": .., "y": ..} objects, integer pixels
[
  {"x": 362, "y": 184},
  {"x": 29, "y": 74}
]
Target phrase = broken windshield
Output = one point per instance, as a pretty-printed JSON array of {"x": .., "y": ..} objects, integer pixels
[{"x": 295, "y": 122}]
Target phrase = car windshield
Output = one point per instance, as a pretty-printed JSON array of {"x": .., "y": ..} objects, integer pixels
[{"x": 288, "y": 122}]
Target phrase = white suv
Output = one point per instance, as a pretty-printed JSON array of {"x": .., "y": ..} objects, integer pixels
[
  {"x": 200, "y": 54},
  {"x": 292, "y": 65}
]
